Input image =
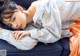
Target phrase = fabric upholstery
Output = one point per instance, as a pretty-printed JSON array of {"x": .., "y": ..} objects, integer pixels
[{"x": 40, "y": 50}]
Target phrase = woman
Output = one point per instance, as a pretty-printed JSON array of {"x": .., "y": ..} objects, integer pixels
[
  {"x": 50, "y": 18},
  {"x": 26, "y": 43}
]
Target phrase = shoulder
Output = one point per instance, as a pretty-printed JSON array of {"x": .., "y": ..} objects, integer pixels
[{"x": 34, "y": 3}]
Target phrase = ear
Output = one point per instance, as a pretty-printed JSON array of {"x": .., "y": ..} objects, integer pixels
[{"x": 20, "y": 8}]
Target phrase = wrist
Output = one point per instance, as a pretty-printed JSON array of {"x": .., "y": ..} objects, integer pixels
[{"x": 28, "y": 32}]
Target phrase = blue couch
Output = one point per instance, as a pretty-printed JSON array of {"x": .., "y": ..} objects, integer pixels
[{"x": 59, "y": 48}]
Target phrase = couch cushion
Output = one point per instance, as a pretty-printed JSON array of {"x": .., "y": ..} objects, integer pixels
[
  {"x": 40, "y": 50},
  {"x": 66, "y": 46}
]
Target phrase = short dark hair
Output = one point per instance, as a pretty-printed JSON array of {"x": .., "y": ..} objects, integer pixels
[{"x": 6, "y": 7}]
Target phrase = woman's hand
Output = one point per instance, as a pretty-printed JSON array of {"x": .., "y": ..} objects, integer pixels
[{"x": 19, "y": 34}]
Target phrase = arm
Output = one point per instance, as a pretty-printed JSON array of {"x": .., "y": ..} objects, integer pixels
[
  {"x": 51, "y": 32},
  {"x": 26, "y": 43},
  {"x": 50, "y": 20}
]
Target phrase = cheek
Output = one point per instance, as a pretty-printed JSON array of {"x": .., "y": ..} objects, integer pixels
[
  {"x": 23, "y": 18},
  {"x": 19, "y": 18}
]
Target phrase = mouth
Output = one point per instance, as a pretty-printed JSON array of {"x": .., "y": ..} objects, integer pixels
[{"x": 20, "y": 26}]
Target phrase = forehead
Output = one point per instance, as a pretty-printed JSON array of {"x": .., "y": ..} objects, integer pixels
[
  {"x": 9, "y": 15},
  {"x": 6, "y": 20}
]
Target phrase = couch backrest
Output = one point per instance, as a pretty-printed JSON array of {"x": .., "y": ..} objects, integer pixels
[{"x": 24, "y": 3}]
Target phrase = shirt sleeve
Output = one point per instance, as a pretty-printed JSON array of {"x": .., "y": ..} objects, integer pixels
[
  {"x": 48, "y": 14},
  {"x": 26, "y": 43}
]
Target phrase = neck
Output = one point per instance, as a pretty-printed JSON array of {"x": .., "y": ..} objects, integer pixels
[
  {"x": 29, "y": 18},
  {"x": 29, "y": 15}
]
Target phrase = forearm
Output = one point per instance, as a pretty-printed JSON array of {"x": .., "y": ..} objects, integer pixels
[
  {"x": 5, "y": 34},
  {"x": 48, "y": 22},
  {"x": 25, "y": 43},
  {"x": 45, "y": 35}
]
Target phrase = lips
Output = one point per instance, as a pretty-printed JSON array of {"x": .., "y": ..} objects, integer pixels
[{"x": 20, "y": 26}]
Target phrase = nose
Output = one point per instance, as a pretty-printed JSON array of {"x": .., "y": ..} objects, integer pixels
[{"x": 14, "y": 25}]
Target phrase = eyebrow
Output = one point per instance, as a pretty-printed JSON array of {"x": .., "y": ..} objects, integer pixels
[
  {"x": 6, "y": 20},
  {"x": 8, "y": 17}
]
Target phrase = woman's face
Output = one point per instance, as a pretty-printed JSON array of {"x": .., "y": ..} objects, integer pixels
[{"x": 17, "y": 21}]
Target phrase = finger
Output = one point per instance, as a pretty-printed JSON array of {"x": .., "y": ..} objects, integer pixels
[
  {"x": 14, "y": 32},
  {"x": 15, "y": 35},
  {"x": 18, "y": 35},
  {"x": 22, "y": 35}
]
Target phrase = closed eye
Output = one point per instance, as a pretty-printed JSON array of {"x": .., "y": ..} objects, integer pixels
[
  {"x": 13, "y": 19},
  {"x": 7, "y": 16}
]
